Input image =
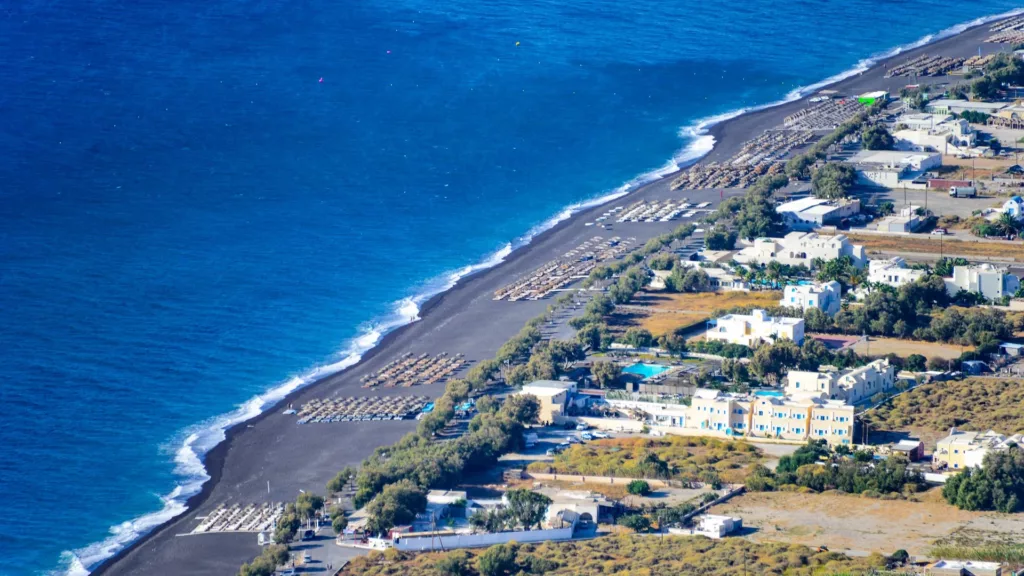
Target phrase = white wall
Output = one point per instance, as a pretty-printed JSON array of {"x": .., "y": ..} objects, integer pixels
[{"x": 420, "y": 544}]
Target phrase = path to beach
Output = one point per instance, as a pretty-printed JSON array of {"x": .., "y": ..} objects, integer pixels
[{"x": 272, "y": 448}]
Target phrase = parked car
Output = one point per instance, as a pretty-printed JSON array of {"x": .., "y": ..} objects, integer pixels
[
  {"x": 599, "y": 435},
  {"x": 940, "y": 232},
  {"x": 573, "y": 440},
  {"x": 586, "y": 436},
  {"x": 582, "y": 426}
]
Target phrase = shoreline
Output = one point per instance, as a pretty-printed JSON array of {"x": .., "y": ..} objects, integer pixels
[{"x": 727, "y": 133}]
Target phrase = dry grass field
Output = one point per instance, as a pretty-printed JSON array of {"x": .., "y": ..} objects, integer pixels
[
  {"x": 663, "y": 312},
  {"x": 903, "y": 348},
  {"x": 971, "y": 404},
  {"x": 930, "y": 245},
  {"x": 857, "y": 525}
]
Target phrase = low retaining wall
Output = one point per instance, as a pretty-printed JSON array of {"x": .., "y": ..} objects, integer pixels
[
  {"x": 423, "y": 543},
  {"x": 612, "y": 480}
]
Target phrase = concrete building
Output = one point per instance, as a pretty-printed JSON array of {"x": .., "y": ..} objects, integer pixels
[
  {"x": 756, "y": 327},
  {"x": 715, "y": 413},
  {"x": 853, "y": 385},
  {"x": 992, "y": 282},
  {"x": 802, "y": 417},
  {"x": 801, "y": 248},
  {"x": 963, "y": 449},
  {"x": 1010, "y": 117},
  {"x": 905, "y": 222},
  {"x": 893, "y": 272},
  {"x": 960, "y": 106},
  {"x": 715, "y": 526},
  {"x": 810, "y": 213},
  {"x": 893, "y": 168},
  {"x": 964, "y": 568},
  {"x": 721, "y": 279},
  {"x": 935, "y": 133},
  {"x": 824, "y": 296},
  {"x": 553, "y": 396}
]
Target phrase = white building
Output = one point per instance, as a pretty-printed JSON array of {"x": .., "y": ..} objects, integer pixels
[
  {"x": 801, "y": 248},
  {"x": 893, "y": 168},
  {"x": 824, "y": 296},
  {"x": 992, "y": 282},
  {"x": 1014, "y": 207},
  {"x": 852, "y": 386},
  {"x": 906, "y": 221},
  {"x": 810, "y": 213},
  {"x": 757, "y": 327},
  {"x": 960, "y": 106},
  {"x": 935, "y": 133},
  {"x": 893, "y": 272}
]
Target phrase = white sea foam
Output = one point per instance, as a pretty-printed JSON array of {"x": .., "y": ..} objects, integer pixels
[{"x": 202, "y": 437}]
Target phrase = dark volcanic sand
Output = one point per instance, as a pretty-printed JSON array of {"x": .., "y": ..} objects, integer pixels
[{"x": 465, "y": 319}]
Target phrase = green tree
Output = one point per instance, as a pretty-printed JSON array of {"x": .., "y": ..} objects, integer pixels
[
  {"x": 916, "y": 363},
  {"x": 337, "y": 484},
  {"x": 877, "y": 138},
  {"x": 833, "y": 180},
  {"x": 455, "y": 563},
  {"x": 526, "y": 507},
  {"x": 522, "y": 408},
  {"x": 638, "y": 338},
  {"x": 719, "y": 238},
  {"x": 308, "y": 504},
  {"x": 638, "y": 488},
  {"x": 605, "y": 373},
  {"x": 498, "y": 560},
  {"x": 396, "y": 505},
  {"x": 338, "y": 520},
  {"x": 635, "y": 522},
  {"x": 771, "y": 361}
]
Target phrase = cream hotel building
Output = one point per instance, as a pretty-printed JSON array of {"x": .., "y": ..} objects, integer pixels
[{"x": 801, "y": 417}]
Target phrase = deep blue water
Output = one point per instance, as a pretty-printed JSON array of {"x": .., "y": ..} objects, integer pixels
[{"x": 190, "y": 217}]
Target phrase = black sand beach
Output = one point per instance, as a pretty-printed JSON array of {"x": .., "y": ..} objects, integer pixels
[{"x": 272, "y": 448}]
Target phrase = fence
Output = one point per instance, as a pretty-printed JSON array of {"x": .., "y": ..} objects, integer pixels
[{"x": 424, "y": 543}]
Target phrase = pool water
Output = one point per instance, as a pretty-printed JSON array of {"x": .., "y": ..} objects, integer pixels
[
  {"x": 645, "y": 370},
  {"x": 769, "y": 393}
]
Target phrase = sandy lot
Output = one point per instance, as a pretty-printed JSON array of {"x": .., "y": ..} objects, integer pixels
[
  {"x": 663, "y": 312},
  {"x": 904, "y": 348},
  {"x": 928, "y": 244},
  {"x": 860, "y": 526}
]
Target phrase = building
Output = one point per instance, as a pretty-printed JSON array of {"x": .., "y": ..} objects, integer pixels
[
  {"x": 801, "y": 249},
  {"x": 893, "y": 168},
  {"x": 715, "y": 526},
  {"x": 870, "y": 98},
  {"x": 992, "y": 282},
  {"x": 553, "y": 396},
  {"x": 961, "y": 106},
  {"x": 963, "y": 449},
  {"x": 893, "y": 272},
  {"x": 963, "y": 568},
  {"x": 1014, "y": 207},
  {"x": 721, "y": 279},
  {"x": 715, "y": 413},
  {"x": 756, "y": 327},
  {"x": 824, "y": 296},
  {"x": 1009, "y": 117},
  {"x": 935, "y": 133},
  {"x": 853, "y": 385},
  {"x": 907, "y": 221},
  {"x": 810, "y": 213}
]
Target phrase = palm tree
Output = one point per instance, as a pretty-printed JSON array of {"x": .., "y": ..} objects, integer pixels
[{"x": 1008, "y": 223}]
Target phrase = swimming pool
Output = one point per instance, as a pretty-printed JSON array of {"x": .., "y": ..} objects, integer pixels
[
  {"x": 776, "y": 393},
  {"x": 645, "y": 370}
]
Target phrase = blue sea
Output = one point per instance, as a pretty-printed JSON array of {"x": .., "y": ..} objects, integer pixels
[{"x": 205, "y": 204}]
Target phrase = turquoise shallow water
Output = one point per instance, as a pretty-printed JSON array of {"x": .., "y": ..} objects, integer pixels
[{"x": 190, "y": 218}]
